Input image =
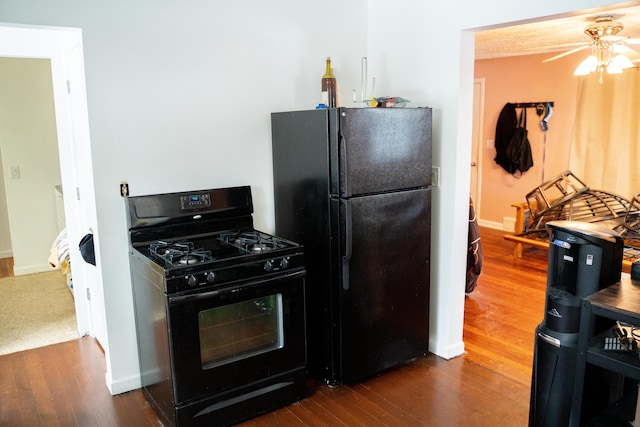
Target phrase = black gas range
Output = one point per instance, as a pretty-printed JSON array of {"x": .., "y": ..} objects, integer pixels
[{"x": 219, "y": 305}]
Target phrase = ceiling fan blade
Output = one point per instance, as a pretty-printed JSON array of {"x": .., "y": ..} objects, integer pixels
[
  {"x": 625, "y": 50},
  {"x": 569, "y": 52},
  {"x": 632, "y": 41},
  {"x": 551, "y": 47}
]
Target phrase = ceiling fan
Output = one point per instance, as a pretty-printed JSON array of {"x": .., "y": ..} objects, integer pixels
[{"x": 608, "y": 49}]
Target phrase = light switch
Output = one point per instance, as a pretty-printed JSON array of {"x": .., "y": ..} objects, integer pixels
[
  {"x": 15, "y": 172},
  {"x": 435, "y": 176}
]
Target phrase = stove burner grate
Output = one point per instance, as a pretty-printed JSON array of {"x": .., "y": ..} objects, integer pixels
[
  {"x": 251, "y": 241},
  {"x": 179, "y": 253}
]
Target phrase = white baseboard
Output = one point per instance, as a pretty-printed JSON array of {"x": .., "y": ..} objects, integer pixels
[
  {"x": 30, "y": 269},
  {"x": 6, "y": 254},
  {"x": 446, "y": 352},
  {"x": 507, "y": 224},
  {"x": 490, "y": 224},
  {"x": 122, "y": 385}
]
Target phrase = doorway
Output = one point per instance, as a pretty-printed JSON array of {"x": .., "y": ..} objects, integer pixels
[
  {"x": 37, "y": 301},
  {"x": 29, "y": 156},
  {"x": 63, "y": 47}
]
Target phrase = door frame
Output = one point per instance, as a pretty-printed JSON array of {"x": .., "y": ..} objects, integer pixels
[
  {"x": 63, "y": 47},
  {"x": 476, "y": 144}
]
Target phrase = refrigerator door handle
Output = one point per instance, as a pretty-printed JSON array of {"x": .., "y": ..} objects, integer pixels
[
  {"x": 344, "y": 188},
  {"x": 348, "y": 244}
]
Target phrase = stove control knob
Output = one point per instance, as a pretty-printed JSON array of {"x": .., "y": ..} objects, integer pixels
[
  {"x": 284, "y": 263},
  {"x": 192, "y": 280},
  {"x": 268, "y": 266},
  {"x": 211, "y": 276}
]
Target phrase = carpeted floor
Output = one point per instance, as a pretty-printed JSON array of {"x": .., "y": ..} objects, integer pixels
[{"x": 35, "y": 310}]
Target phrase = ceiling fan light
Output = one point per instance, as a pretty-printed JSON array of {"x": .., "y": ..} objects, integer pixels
[
  {"x": 612, "y": 69},
  {"x": 621, "y": 48},
  {"x": 620, "y": 61},
  {"x": 588, "y": 65}
]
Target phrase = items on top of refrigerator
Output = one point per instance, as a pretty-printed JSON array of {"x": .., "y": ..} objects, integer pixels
[
  {"x": 329, "y": 88},
  {"x": 387, "y": 102}
]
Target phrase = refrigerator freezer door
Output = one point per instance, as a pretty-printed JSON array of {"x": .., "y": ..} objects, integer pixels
[
  {"x": 382, "y": 149},
  {"x": 384, "y": 295}
]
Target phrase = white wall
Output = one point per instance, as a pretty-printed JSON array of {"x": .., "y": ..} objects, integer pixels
[
  {"x": 179, "y": 96},
  {"x": 28, "y": 142},
  {"x": 429, "y": 58},
  {"x": 178, "y": 89}
]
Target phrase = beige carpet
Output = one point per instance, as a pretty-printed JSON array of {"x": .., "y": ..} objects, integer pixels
[{"x": 35, "y": 310}]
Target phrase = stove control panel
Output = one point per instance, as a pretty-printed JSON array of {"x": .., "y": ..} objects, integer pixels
[
  {"x": 275, "y": 264},
  {"x": 237, "y": 273},
  {"x": 201, "y": 279},
  {"x": 195, "y": 201}
]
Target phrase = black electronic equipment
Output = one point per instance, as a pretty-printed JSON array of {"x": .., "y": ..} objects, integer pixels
[{"x": 583, "y": 258}]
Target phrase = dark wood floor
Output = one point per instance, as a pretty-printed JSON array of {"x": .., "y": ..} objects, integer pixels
[
  {"x": 63, "y": 384},
  {"x": 6, "y": 267}
]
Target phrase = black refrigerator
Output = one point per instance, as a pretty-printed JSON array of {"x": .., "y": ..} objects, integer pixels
[{"x": 353, "y": 185}]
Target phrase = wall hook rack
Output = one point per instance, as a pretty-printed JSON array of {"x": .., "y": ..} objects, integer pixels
[{"x": 530, "y": 104}]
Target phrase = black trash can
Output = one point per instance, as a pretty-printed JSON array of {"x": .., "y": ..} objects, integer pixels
[{"x": 552, "y": 380}]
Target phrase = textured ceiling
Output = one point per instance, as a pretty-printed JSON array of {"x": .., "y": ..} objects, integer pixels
[{"x": 554, "y": 35}]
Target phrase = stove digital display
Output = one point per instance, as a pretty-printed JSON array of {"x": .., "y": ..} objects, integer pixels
[{"x": 195, "y": 201}]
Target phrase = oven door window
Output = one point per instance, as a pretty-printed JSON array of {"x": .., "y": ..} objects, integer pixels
[{"x": 241, "y": 330}]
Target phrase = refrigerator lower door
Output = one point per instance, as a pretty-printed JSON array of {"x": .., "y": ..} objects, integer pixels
[{"x": 384, "y": 292}]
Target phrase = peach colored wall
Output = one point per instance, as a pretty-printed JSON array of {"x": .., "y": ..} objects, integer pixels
[{"x": 525, "y": 79}]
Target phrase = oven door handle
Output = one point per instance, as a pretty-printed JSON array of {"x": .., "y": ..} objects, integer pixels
[{"x": 201, "y": 296}]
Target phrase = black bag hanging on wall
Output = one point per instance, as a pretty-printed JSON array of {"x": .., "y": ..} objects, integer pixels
[
  {"x": 513, "y": 150},
  {"x": 519, "y": 149},
  {"x": 506, "y": 125}
]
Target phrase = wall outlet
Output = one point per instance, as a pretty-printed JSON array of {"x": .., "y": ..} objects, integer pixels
[
  {"x": 491, "y": 144},
  {"x": 435, "y": 176},
  {"x": 15, "y": 172},
  {"x": 508, "y": 224},
  {"x": 124, "y": 189}
]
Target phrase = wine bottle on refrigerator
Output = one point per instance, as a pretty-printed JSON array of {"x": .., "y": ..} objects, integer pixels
[{"x": 329, "y": 86}]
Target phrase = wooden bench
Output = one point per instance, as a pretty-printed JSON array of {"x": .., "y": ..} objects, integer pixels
[{"x": 521, "y": 209}]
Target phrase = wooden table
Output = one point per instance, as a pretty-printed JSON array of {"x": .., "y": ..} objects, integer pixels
[{"x": 618, "y": 302}]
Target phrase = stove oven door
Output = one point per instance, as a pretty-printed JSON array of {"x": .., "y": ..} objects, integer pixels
[{"x": 231, "y": 343}]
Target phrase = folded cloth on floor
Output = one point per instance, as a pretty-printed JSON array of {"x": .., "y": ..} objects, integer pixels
[{"x": 60, "y": 251}]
